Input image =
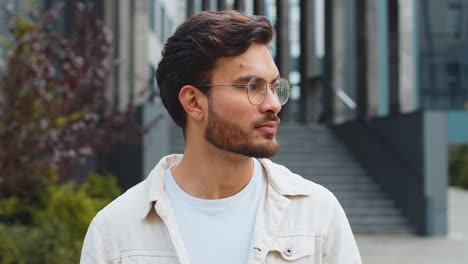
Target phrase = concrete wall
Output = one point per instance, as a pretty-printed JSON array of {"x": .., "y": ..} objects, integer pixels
[{"x": 407, "y": 156}]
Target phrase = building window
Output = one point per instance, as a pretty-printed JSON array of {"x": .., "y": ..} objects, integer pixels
[
  {"x": 454, "y": 20},
  {"x": 465, "y": 78},
  {"x": 457, "y": 96},
  {"x": 453, "y": 76}
]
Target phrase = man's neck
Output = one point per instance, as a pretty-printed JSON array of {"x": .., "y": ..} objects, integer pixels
[{"x": 207, "y": 172}]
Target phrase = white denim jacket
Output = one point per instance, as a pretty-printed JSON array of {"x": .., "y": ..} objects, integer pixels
[{"x": 297, "y": 221}]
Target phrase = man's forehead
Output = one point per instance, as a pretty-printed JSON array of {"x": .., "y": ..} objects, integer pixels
[{"x": 257, "y": 60}]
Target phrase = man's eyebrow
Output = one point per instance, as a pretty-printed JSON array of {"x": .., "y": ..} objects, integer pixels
[{"x": 248, "y": 77}]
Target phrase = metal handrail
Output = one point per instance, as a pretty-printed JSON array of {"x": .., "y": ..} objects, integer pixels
[
  {"x": 340, "y": 93},
  {"x": 345, "y": 98},
  {"x": 351, "y": 104}
]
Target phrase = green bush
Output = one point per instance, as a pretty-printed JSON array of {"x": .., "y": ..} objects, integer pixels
[
  {"x": 59, "y": 218},
  {"x": 458, "y": 166}
]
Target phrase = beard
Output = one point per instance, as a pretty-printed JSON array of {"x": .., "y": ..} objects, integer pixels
[{"x": 229, "y": 136}]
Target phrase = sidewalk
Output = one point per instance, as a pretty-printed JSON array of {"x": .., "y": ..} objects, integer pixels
[{"x": 452, "y": 249}]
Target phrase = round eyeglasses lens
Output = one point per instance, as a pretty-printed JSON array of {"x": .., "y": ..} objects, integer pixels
[
  {"x": 256, "y": 89},
  {"x": 282, "y": 89}
]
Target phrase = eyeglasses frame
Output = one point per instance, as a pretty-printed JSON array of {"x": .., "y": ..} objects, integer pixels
[{"x": 268, "y": 85}]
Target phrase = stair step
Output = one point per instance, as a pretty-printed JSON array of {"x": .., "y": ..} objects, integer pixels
[
  {"x": 372, "y": 211},
  {"x": 319, "y": 164},
  {"x": 340, "y": 179},
  {"x": 368, "y": 203},
  {"x": 316, "y": 157},
  {"x": 382, "y": 229},
  {"x": 310, "y": 146},
  {"x": 386, "y": 220},
  {"x": 348, "y": 195},
  {"x": 338, "y": 187},
  {"x": 313, "y": 171}
]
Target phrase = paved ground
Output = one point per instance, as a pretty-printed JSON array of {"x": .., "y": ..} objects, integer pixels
[{"x": 452, "y": 249}]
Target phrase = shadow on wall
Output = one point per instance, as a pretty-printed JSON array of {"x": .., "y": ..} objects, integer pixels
[{"x": 407, "y": 156}]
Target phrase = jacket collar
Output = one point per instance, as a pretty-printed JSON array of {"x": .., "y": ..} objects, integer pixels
[
  {"x": 284, "y": 181},
  {"x": 279, "y": 177}
]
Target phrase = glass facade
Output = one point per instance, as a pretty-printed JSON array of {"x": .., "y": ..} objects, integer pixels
[{"x": 444, "y": 55}]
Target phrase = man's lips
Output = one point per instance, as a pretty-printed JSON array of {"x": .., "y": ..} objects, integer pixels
[{"x": 268, "y": 127}]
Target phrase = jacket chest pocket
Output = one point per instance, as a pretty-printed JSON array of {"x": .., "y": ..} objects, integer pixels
[
  {"x": 149, "y": 257},
  {"x": 297, "y": 248}
]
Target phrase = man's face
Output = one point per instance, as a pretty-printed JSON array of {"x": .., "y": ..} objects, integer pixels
[{"x": 233, "y": 123}]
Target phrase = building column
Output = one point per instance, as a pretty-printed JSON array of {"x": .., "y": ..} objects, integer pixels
[
  {"x": 328, "y": 94},
  {"x": 393, "y": 51},
  {"x": 221, "y": 4},
  {"x": 124, "y": 35},
  {"x": 283, "y": 58},
  {"x": 190, "y": 7},
  {"x": 408, "y": 55},
  {"x": 308, "y": 60},
  {"x": 259, "y": 7},
  {"x": 383, "y": 56},
  {"x": 349, "y": 77},
  {"x": 340, "y": 60},
  {"x": 361, "y": 58},
  {"x": 239, "y": 5},
  {"x": 342, "y": 70},
  {"x": 206, "y": 4},
  {"x": 141, "y": 72},
  {"x": 377, "y": 59}
]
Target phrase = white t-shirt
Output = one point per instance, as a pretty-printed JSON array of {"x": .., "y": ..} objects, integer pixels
[{"x": 220, "y": 230}]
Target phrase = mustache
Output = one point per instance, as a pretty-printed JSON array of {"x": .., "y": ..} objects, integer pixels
[{"x": 267, "y": 119}]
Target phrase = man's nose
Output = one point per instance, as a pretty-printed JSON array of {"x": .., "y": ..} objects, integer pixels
[{"x": 271, "y": 102}]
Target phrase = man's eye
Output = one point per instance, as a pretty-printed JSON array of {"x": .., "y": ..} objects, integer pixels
[
  {"x": 257, "y": 84},
  {"x": 254, "y": 86}
]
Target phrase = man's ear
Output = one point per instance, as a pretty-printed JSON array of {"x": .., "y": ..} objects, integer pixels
[{"x": 193, "y": 101}]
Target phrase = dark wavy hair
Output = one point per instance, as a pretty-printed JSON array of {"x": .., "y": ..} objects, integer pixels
[{"x": 191, "y": 52}]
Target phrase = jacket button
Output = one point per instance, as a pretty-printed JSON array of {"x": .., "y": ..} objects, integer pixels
[{"x": 288, "y": 252}]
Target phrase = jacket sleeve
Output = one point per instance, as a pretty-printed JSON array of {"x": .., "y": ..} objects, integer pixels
[
  {"x": 340, "y": 246},
  {"x": 94, "y": 251}
]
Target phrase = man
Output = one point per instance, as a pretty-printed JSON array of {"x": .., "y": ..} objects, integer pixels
[{"x": 222, "y": 201}]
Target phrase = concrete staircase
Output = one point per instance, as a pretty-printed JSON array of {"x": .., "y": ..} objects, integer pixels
[{"x": 315, "y": 153}]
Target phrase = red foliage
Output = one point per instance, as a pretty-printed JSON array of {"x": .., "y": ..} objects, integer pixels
[{"x": 53, "y": 110}]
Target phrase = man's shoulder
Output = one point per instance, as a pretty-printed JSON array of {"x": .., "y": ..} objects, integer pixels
[{"x": 127, "y": 206}]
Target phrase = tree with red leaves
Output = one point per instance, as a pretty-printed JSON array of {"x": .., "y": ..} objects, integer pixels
[{"x": 53, "y": 110}]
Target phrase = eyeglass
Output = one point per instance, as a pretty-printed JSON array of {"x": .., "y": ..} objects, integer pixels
[{"x": 257, "y": 89}]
